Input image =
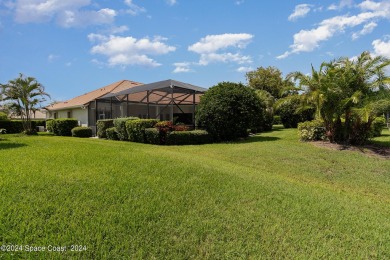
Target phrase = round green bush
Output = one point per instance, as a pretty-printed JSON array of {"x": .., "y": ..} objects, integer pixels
[
  {"x": 226, "y": 111},
  {"x": 81, "y": 131}
]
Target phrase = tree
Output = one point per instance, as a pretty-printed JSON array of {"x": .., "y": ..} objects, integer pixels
[
  {"x": 345, "y": 93},
  {"x": 228, "y": 110},
  {"x": 23, "y": 95},
  {"x": 269, "y": 79}
]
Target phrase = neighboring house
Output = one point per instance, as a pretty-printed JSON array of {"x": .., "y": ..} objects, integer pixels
[
  {"x": 164, "y": 100},
  {"x": 80, "y": 107},
  {"x": 37, "y": 115}
]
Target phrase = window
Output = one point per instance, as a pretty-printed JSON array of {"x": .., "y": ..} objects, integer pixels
[
  {"x": 69, "y": 114},
  {"x": 55, "y": 115}
]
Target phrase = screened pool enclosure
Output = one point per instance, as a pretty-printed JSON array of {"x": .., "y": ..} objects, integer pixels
[{"x": 165, "y": 100}]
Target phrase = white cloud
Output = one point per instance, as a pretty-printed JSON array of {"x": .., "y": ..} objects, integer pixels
[
  {"x": 182, "y": 67},
  {"x": 213, "y": 48},
  {"x": 66, "y": 13},
  {"x": 207, "y": 58},
  {"x": 84, "y": 18},
  {"x": 124, "y": 51},
  {"x": 133, "y": 8},
  {"x": 240, "y": 2},
  {"x": 381, "y": 48},
  {"x": 171, "y": 2},
  {"x": 119, "y": 29},
  {"x": 52, "y": 57},
  {"x": 300, "y": 11},
  {"x": 341, "y": 5},
  {"x": 244, "y": 69},
  {"x": 367, "y": 29},
  {"x": 308, "y": 40},
  {"x": 213, "y": 43}
]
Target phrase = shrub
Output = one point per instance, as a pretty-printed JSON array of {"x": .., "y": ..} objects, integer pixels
[
  {"x": 188, "y": 137},
  {"x": 3, "y": 116},
  {"x": 102, "y": 126},
  {"x": 277, "y": 120},
  {"x": 180, "y": 127},
  {"x": 111, "y": 133},
  {"x": 12, "y": 126},
  {"x": 64, "y": 126},
  {"x": 50, "y": 125},
  {"x": 81, "y": 131},
  {"x": 136, "y": 129},
  {"x": 291, "y": 113},
  {"x": 152, "y": 136},
  {"x": 311, "y": 130},
  {"x": 120, "y": 125},
  {"x": 377, "y": 126},
  {"x": 228, "y": 109}
]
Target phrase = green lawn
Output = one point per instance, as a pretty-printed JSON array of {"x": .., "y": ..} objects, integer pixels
[{"x": 270, "y": 196}]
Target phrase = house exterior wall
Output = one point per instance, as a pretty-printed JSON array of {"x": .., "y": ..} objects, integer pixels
[{"x": 80, "y": 114}]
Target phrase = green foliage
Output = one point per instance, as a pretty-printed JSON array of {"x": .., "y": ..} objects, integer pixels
[
  {"x": 23, "y": 95},
  {"x": 16, "y": 126},
  {"x": 111, "y": 133},
  {"x": 352, "y": 91},
  {"x": 292, "y": 112},
  {"x": 311, "y": 130},
  {"x": 63, "y": 126},
  {"x": 120, "y": 125},
  {"x": 153, "y": 136},
  {"x": 269, "y": 79},
  {"x": 3, "y": 116},
  {"x": 12, "y": 126},
  {"x": 136, "y": 129},
  {"x": 277, "y": 120},
  {"x": 377, "y": 126},
  {"x": 228, "y": 109},
  {"x": 102, "y": 126},
  {"x": 188, "y": 137},
  {"x": 268, "y": 101},
  {"x": 50, "y": 125},
  {"x": 81, "y": 131}
]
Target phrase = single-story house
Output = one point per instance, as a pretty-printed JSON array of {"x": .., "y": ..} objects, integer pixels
[{"x": 164, "y": 100}]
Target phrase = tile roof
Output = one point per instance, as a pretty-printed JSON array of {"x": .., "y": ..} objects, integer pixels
[{"x": 90, "y": 96}]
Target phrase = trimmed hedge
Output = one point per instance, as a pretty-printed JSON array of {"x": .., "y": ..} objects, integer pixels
[
  {"x": 111, "y": 133},
  {"x": 188, "y": 137},
  {"x": 102, "y": 126},
  {"x": 12, "y": 127},
  {"x": 50, "y": 125},
  {"x": 136, "y": 129},
  {"x": 152, "y": 136},
  {"x": 63, "y": 126},
  {"x": 81, "y": 131},
  {"x": 120, "y": 125},
  {"x": 16, "y": 126},
  {"x": 311, "y": 130}
]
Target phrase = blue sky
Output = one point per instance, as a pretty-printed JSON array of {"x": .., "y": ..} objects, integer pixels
[{"x": 76, "y": 46}]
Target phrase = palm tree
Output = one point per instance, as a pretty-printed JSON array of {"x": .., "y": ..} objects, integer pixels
[
  {"x": 342, "y": 89},
  {"x": 23, "y": 95}
]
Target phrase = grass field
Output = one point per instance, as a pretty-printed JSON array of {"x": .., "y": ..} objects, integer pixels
[{"x": 270, "y": 196}]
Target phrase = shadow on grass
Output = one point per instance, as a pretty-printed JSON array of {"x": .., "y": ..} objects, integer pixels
[
  {"x": 5, "y": 144},
  {"x": 259, "y": 139}
]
